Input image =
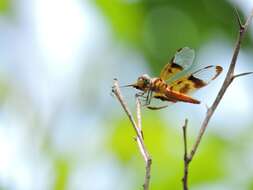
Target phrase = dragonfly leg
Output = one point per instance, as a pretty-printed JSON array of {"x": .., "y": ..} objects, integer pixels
[
  {"x": 149, "y": 97},
  {"x": 140, "y": 94},
  {"x": 156, "y": 108},
  {"x": 144, "y": 98}
]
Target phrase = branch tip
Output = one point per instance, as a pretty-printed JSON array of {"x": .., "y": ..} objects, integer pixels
[
  {"x": 239, "y": 21},
  {"x": 242, "y": 74},
  {"x": 115, "y": 85},
  {"x": 185, "y": 123}
]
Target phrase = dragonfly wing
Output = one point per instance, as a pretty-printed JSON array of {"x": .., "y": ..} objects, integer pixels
[
  {"x": 196, "y": 80},
  {"x": 182, "y": 60}
]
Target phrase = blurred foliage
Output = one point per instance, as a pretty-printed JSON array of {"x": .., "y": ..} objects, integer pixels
[
  {"x": 62, "y": 172},
  {"x": 4, "y": 90},
  {"x": 165, "y": 145},
  {"x": 159, "y": 28},
  {"x": 251, "y": 184},
  {"x": 5, "y": 6}
]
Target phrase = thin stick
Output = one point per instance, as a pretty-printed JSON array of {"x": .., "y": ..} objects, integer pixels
[
  {"x": 138, "y": 131},
  {"x": 228, "y": 80},
  {"x": 186, "y": 162},
  {"x": 138, "y": 114},
  {"x": 243, "y": 74}
]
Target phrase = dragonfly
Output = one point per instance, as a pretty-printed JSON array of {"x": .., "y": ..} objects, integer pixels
[{"x": 178, "y": 89}]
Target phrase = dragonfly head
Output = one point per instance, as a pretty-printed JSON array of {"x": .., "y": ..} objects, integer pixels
[{"x": 143, "y": 83}]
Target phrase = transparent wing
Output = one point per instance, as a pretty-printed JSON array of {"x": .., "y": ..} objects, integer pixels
[
  {"x": 182, "y": 60},
  {"x": 196, "y": 80}
]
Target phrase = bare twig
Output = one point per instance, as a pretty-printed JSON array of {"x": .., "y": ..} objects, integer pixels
[
  {"x": 238, "y": 18},
  {"x": 186, "y": 161},
  {"x": 242, "y": 74},
  {"x": 228, "y": 80},
  {"x": 138, "y": 130},
  {"x": 230, "y": 76},
  {"x": 138, "y": 114}
]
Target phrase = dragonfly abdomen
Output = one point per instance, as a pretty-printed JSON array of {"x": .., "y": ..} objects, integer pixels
[{"x": 161, "y": 87}]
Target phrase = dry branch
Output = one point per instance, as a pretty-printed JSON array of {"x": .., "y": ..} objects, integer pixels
[
  {"x": 230, "y": 76},
  {"x": 185, "y": 178},
  {"x": 138, "y": 130}
]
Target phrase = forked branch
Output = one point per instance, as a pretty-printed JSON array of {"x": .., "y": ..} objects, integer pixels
[
  {"x": 230, "y": 76},
  {"x": 138, "y": 130}
]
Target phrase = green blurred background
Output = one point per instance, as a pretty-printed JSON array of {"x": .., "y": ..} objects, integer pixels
[{"x": 61, "y": 129}]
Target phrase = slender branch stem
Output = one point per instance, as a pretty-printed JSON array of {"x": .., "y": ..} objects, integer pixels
[
  {"x": 138, "y": 130},
  {"x": 230, "y": 76},
  {"x": 186, "y": 161},
  {"x": 138, "y": 114},
  {"x": 243, "y": 74},
  {"x": 228, "y": 80}
]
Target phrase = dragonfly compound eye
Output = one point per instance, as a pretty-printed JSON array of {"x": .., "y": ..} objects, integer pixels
[{"x": 146, "y": 81}]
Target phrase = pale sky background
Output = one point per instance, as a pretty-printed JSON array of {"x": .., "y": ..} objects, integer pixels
[{"x": 53, "y": 42}]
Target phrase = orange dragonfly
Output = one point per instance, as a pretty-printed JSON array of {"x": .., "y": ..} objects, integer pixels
[{"x": 176, "y": 90}]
